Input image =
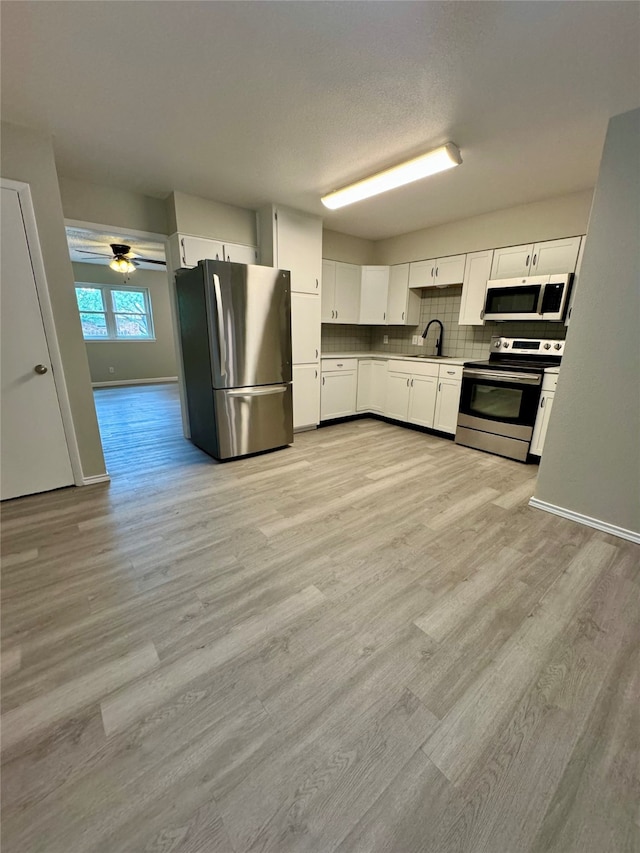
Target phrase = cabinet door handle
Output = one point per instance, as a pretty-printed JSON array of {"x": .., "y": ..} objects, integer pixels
[
  {"x": 534, "y": 260},
  {"x": 316, "y": 374},
  {"x": 316, "y": 284},
  {"x": 316, "y": 353},
  {"x": 339, "y": 365},
  {"x": 336, "y": 315},
  {"x": 332, "y": 314},
  {"x": 482, "y": 314},
  {"x": 542, "y": 403},
  {"x": 432, "y": 271},
  {"x": 450, "y": 372},
  {"x": 323, "y": 378},
  {"x": 526, "y": 263},
  {"x": 436, "y": 272},
  {"x": 439, "y": 387},
  {"x": 403, "y": 315},
  {"x": 407, "y": 383},
  {"x": 384, "y": 315},
  {"x": 184, "y": 256}
]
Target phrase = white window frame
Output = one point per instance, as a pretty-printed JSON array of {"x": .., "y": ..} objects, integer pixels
[{"x": 110, "y": 314}]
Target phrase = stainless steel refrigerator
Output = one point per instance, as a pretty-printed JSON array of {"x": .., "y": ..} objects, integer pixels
[{"x": 235, "y": 335}]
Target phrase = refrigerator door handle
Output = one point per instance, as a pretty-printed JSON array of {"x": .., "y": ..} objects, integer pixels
[
  {"x": 222, "y": 350},
  {"x": 257, "y": 392}
]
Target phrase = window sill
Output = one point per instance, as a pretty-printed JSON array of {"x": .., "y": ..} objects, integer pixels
[{"x": 120, "y": 340}]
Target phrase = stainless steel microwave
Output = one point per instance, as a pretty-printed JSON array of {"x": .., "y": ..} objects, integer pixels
[{"x": 543, "y": 297}]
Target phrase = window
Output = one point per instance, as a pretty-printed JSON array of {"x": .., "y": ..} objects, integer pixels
[{"x": 114, "y": 313}]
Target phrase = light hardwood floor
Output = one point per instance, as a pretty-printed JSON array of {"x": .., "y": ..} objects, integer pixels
[{"x": 366, "y": 642}]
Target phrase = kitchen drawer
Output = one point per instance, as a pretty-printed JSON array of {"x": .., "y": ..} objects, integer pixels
[
  {"x": 415, "y": 367},
  {"x": 450, "y": 371},
  {"x": 330, "y": 364},
  {"x": 549, "y": 381}
]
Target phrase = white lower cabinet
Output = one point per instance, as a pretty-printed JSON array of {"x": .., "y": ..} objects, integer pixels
[
  {"x": 544, "y": 413},
  {"x": 422, "y": 400},
  {"x": 426, "y": 394},
  {"x": 306, "y": 395},
  {"x": 339, "y": 388},
  {"x": 447, "y": 404},
  {"x": 372, "y": 384},
  {"x": 397, "y": 396}
]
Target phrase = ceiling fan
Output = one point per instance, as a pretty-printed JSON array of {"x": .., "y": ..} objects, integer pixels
[{"x": 122, "y": 260}]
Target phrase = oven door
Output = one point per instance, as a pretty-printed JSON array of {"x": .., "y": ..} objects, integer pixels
[
  {"x": 500, "y": 401},
  {"x": 514, "y": 299},
  {"x": 498, "y": 411}
]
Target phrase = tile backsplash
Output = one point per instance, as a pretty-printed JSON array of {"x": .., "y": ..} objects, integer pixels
[{"x": 441, "y": 304}]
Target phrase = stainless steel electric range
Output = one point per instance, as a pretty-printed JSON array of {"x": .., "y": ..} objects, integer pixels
[{"x": 499, "y": 400}]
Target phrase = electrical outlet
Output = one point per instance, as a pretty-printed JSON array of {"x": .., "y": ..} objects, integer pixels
[
  {"x": 385, "y": 339},
  {"x": 112, "y": 370},
  {"x": 420, "y": 340}
]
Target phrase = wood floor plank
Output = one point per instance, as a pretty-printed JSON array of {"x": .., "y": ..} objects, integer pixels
[
  {"x": 44, "y": 711},
  {"x": 365, "y": 642}
]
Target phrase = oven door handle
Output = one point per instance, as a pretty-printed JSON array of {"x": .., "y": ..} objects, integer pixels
[{"x": 500, "y": 376}]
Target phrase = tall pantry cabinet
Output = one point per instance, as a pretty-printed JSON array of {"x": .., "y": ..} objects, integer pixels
[{"x": 292, "y": 240}]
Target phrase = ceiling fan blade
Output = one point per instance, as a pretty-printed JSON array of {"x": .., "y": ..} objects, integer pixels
[
  {"x": 149, "y": 260},
  {"x": 95, "y": 254}
]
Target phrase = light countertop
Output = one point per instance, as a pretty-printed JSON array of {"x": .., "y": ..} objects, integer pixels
[{"x": 396, "y": 357}]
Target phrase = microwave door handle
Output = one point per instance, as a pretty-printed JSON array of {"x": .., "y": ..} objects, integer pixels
[
  {"x": 541, "y": 298},
  {"x": 222, "y": 349}
]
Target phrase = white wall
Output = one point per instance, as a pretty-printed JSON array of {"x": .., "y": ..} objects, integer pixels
[
  {"x": 133, "y": 359},
  {"x": 564, "y": 216},
  {"x": 112, "y": 206},
  {"x": 202, "y": 217},
  {"x": 27, "y": 155},
  {"x": 348, "y": 249},
  {"x": 591, "y": 462}
]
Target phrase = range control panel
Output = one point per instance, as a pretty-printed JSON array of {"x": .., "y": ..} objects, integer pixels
[{"x": 527, "y": 346}]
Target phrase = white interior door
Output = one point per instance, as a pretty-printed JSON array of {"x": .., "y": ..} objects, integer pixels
[{"x": 34, "y": 455}]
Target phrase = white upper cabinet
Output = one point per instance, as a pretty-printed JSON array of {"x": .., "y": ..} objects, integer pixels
[
  {"x": 474, "y": 287},
  {"x": 576, "y": 280},
  {"x": 555, "y": 256},
  {"x": 550, "y": 256},
  {"x": 305, "y": 328},
  {"x": 340, "y": 292},
  {"x": 194, "y": 249},
  {"x": 292, "y": 240},
  {"x": 437, "y": 272},
  {"x": 328, "y": 291},
  {"x": 374, "y": 289},
  {"x": 238, "y": 253},
  {"x": 512, "y": 262},
  {"x": 403, "y": 305},
  {"x": 186, "y": 251}
]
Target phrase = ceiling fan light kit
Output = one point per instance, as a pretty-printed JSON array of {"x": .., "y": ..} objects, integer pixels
[{"x": 438, "y": 160}]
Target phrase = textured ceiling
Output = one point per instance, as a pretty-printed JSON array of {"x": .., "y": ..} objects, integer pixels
[{"x": 249, "y": 103}]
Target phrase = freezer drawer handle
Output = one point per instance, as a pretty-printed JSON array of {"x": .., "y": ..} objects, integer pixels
[
  {"x": 258, "y": 392},
  {"x": 222, "y": 350}
]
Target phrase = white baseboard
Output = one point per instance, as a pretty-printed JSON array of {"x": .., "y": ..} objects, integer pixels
[
  {"x": 97, "y": 478},
  {"x": 157, "y": 380},
  {"x": 613, "y": 529}
]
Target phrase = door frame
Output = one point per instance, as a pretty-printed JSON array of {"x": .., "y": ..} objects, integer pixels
[{"x": 23, "y": 191}]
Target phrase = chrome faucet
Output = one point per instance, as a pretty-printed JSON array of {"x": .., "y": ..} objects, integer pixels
[{"x": 439, "y": 340}]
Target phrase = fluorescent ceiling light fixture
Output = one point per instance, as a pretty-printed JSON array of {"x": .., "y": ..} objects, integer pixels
[{"x": 445, "y": 157}]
